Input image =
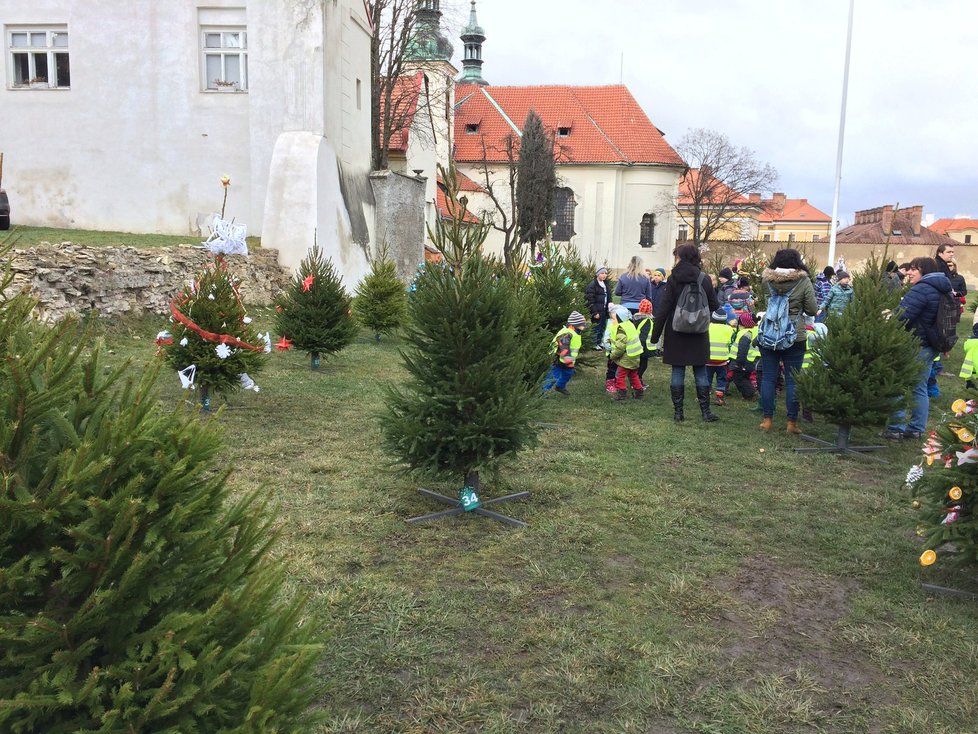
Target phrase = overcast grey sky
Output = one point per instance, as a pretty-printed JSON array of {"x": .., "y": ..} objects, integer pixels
[{"x": 769, "y": 76}]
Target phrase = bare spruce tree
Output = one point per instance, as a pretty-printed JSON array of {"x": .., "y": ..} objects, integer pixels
[
  {"x": 723, "y": 175},
  {"x": 535, "y": 181}
]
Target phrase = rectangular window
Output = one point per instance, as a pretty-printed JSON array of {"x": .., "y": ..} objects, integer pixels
[
  {"x": 38, "y": 57},
  {"x": 563, "y": 222},
  {"x": 816, "y": 238},
  {"x": 224, "y": 54},
  {"x": 683, "y": 234},
  {"x": 767, "y": 238},
  {"x": 967, "y": 239},
  {"x": 791, "y": 237}
]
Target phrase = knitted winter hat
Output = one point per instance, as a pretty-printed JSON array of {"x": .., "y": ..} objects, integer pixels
[
  {"x": 600, "y": 270},
  {"x": 719, "y": 316},
  {"x": 747, "y": 320},
  {"x": 661, "y": 271},
  {"x": 726, "y": 273},
  {"x": 576, "y": 319},
  {"x": 743, "y": 282},
  {"x": 620, "y": 312},
  {"x": 841, "y": 274},
  {"x": 645, "y": 306}
]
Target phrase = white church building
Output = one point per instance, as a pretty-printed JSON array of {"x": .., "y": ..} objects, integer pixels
[{"x": 126, "y": 115}]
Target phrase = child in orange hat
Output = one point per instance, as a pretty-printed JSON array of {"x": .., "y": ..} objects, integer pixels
[{"x": 643, "y": 323}]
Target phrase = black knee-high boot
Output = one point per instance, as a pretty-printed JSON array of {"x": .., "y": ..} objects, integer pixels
[
  {"x": 678, "y": 392},
  {"x": 703, "y": 396}
]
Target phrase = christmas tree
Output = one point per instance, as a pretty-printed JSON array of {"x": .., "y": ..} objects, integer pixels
[
  {"x": 380, "y": 301},
  {"x": 469, "y": 401},
  {"x": 945, "y": 492},
  {"x": 314, "y": 314},
  {"x": 865, "y": 364},
  {"x": 138, "y": 593},
  {"x": 557, "y": 294},
  {"x": 213, "y": 344}
]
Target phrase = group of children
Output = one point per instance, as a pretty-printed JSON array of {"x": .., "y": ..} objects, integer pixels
[{"x": 734, "y": 354}]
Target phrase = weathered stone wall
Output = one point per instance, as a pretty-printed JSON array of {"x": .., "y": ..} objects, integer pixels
[
  {"x": 68, "y": 278},
  {"x": 399, "y": 220}
]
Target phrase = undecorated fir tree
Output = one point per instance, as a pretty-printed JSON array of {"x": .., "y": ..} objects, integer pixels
[
  {"x": 380, "y": 301},
  {"x": 865, "y": 365},
  {"x": 469, "y": 401},
  {"x": 314, "y": 314},
  {"x": 211, "y": 341},
  {"x": 944, "y": 492},
  {"x": 138, "y": 594}
]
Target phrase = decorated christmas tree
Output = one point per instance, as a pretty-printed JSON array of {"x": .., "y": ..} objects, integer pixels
[
  {"x": 212, "y": 343},
  {"x": 138, "y": 593},
  {"x": 468, "y": 402},
  {"x": 865, "y": 364},
  {"x": 380, "y": 301},
  {"x": 551, "y": 280},
  {"x": 944, "y": 490},
  {"x": 314, "y": 314}
]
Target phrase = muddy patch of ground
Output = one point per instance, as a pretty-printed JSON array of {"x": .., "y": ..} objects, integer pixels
[{"x": 788, "y": 623}]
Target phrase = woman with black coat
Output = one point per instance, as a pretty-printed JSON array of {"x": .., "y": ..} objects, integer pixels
[
  {"x": 682, "y": 350},
  {"x": 598, "y": 297}
]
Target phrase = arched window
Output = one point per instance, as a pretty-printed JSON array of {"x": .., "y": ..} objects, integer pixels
[
  {"x": 564, "y": 204},
  {"x": 646, "y": 232}
]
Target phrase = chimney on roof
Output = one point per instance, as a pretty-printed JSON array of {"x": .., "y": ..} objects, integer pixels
[
  {"x": 777, "y": 199},
  {"x": 887, "y": 220},
  {"x": 754, "y": 198},
  {"x": 915, "y": 214}
]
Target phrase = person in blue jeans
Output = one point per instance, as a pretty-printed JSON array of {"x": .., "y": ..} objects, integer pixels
[
  {"x": 787, "y": 273},
  {"x": 918, "y": 312}
]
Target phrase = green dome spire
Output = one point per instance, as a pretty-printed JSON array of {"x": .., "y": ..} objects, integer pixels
[
  {"x": 472, "y": 37},
  {"x": 428, "y": 43}
]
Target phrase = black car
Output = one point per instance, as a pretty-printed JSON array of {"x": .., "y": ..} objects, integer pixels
[{"x": 4, "y": 210}]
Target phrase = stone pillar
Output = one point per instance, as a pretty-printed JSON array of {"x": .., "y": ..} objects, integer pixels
[{"x": 399, "y": 223}]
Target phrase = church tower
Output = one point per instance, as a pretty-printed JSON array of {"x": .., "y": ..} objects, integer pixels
[
  {"x": 428, "y": 43},
  {"x": 472, "y": 36}
]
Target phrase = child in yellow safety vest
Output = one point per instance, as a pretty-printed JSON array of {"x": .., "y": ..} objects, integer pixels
[
  {"x": 970, "y": 358},
  {"x": 626, "y": 351},
  {"x": 744, "y": 354},
  {"x": 643, "y": 323},
  {"x": 565, "y": 347},
  {"x": 721, "y": 336}
]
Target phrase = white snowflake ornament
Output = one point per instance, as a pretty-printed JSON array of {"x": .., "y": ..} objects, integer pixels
[{"x": 223, "y": 351}]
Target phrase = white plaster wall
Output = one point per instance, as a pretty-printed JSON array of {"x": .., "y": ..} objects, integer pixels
[
  {"x": 610, "y": 203},
  {"x": 134, "y": 144}
]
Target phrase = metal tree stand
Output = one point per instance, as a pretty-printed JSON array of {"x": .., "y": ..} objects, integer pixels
[
  {"x": 472, "y": 480},
  {"x": 841, "y": 446}
]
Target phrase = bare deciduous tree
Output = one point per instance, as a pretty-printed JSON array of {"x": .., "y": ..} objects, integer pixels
[
  {"x": 500, "y": 182},
  {"x": 723, "y": 178}
]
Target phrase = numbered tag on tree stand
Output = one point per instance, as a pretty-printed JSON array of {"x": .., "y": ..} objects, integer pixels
[{"x": 468, "y": 499}]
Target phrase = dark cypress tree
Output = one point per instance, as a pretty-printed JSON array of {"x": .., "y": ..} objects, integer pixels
[
  {"x": 314, "y": 313},
  {"x": 136, "y": 593},
  {"x": 536, "y": 180},
  {"x": 865, "y": 364},
  {"x": 211, "y": 334},
  {"x": 471, "y": 395},
  {"x": 380, "y": 301}
]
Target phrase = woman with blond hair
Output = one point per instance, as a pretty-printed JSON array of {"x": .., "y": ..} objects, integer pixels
[{"x": 633, "y": 285}]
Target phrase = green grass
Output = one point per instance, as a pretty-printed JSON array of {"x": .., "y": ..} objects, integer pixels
[
  {"x": 21, "y": 237},
  {"x": 673, "y": 578}
]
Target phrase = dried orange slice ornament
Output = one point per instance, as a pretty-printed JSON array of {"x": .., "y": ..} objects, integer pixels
[
  {"x": 954, "y": 493},
  {"x": 927, "y": 558}
]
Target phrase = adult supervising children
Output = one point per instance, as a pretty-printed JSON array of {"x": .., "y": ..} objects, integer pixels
[{"x": 633, "y": 285}]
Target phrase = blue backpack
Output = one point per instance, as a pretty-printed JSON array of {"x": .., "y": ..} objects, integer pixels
[{"x": 777, "y": 330}]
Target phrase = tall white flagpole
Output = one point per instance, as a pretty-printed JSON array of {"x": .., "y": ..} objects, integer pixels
[{"x": 842, "y": 136}]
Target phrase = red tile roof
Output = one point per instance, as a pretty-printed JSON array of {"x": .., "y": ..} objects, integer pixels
[
  {"x": 871, "y": 228},
  {"x": 725, "y": 194},
  {"x": 441, "y": 201},
  {"x": 467, "y": 184},
  {"x": 793, "y": 210},
  {"x": 407, "y": 90},
  {"x": 606, "y": 124},
  {"x": 943, "y": 226}
]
